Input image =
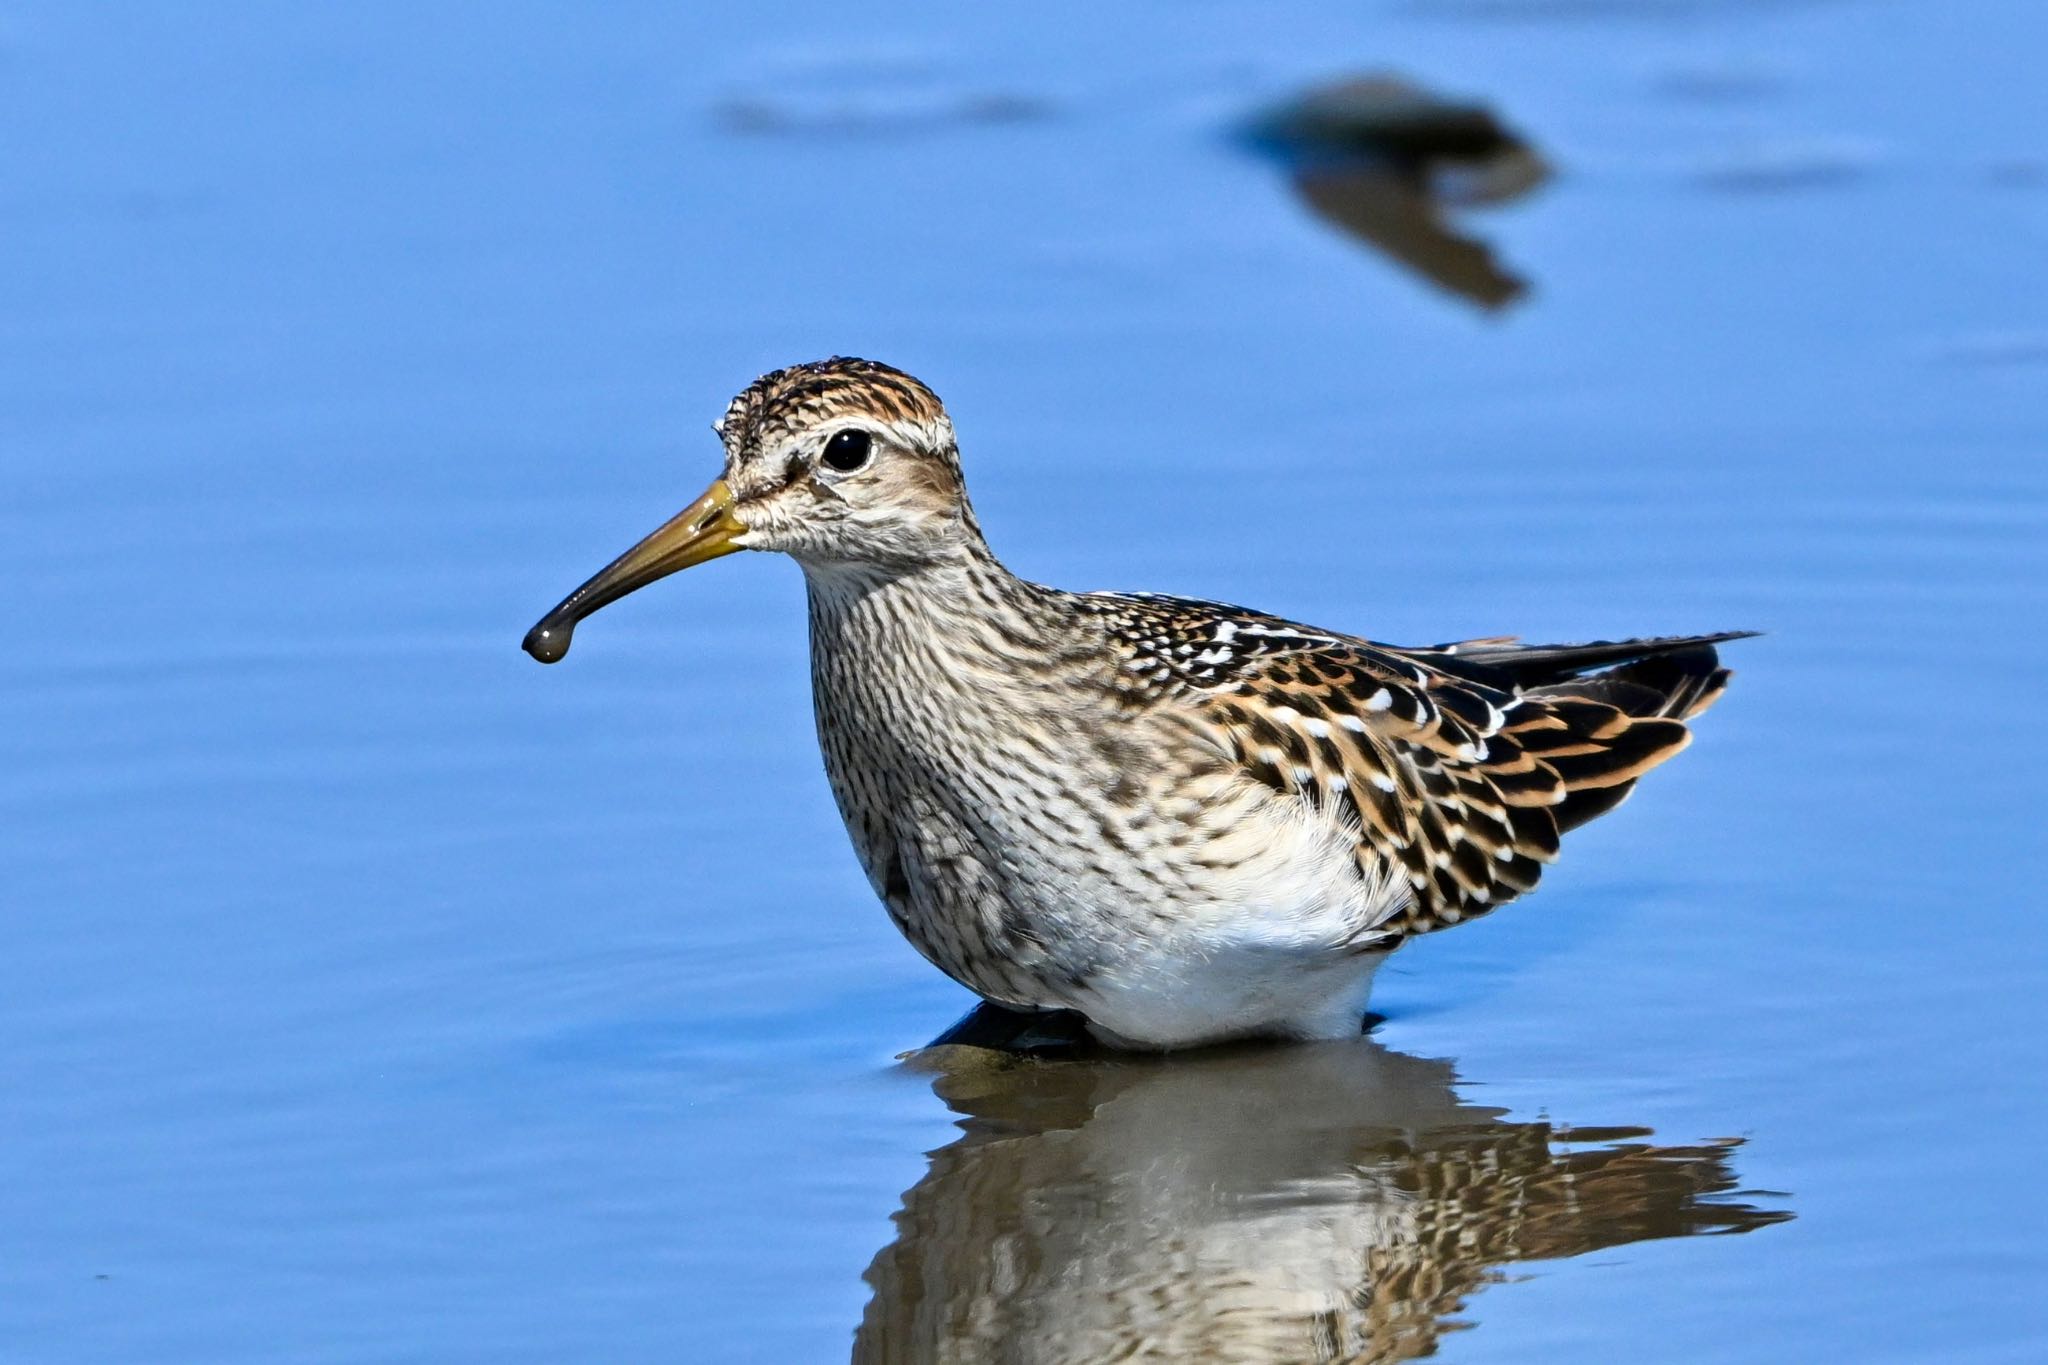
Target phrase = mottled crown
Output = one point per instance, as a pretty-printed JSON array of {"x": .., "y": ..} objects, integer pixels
[{"x": 800, "y": 396}]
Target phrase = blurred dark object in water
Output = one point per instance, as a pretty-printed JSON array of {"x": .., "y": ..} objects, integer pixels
[
  {"x": 764, "y": 116},
  {"x": 1383, "y": 159},
  {"x": 867, "y": 94},
  {"x": 2019, "y": 173},
  {"x": 1719, "y": 80},
  {"x": 1322, "y": 1201},
  {"x": 1997, "y": 349},
  {"x": 1787, "y": 164}
]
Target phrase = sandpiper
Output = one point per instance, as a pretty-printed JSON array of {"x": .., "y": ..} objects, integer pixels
[{"x": 1187, "y": 821}]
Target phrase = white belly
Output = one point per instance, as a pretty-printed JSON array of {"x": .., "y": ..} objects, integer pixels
[
  {"x": 1282, "y": 949},
  {"x": 1190, "y": 1002}
]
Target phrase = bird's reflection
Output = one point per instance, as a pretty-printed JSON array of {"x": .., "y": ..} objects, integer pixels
[
  {"x": 1322, "y": 1202},
  {"x": 1383, "y": 159}
]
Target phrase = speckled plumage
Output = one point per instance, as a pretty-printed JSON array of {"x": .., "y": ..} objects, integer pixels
[{"x": 1187, "y": 820}]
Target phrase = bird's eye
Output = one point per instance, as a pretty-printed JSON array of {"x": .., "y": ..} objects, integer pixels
[{"x": 848, "y": 450}]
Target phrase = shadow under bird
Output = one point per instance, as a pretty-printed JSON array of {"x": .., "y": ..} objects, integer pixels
[{"x": 1187, "y": 821}]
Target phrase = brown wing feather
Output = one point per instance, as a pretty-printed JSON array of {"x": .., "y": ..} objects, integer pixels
[
  {"x": 1456, "y": 767},
  {"x": 1463, "y": 787}
]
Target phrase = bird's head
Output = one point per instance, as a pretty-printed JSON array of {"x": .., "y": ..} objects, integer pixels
[{"x": 846, "y": 465}]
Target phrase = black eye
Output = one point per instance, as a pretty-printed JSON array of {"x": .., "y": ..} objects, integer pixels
[{"x": 848, "y": 450}]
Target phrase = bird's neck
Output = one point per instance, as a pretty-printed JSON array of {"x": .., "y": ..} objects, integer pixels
[
  {"x": 935, "y": 687},
  {"x": 964, "y": 607}
]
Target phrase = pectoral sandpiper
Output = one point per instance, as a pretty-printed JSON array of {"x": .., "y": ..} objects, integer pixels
[{"x": 1187, "y": 821}]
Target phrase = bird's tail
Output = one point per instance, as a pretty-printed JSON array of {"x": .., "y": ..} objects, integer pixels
[
  {"x": 1656, "y": 686},
  {"x": 1672, "y": 675}
]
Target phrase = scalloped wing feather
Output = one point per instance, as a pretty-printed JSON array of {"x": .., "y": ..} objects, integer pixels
[{"x": 1446, "y": 767}]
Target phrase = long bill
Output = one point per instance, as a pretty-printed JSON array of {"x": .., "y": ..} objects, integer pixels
[{"x": 704, "y": 530}]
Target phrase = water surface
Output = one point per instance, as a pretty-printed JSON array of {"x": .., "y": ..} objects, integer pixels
[{"x": 369, "y": 993}]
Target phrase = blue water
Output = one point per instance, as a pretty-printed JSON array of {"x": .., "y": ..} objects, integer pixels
[{"x": 368, "y": 993}]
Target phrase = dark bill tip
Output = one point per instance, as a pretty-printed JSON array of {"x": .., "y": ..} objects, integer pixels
[{"x": 548, "y": 641}]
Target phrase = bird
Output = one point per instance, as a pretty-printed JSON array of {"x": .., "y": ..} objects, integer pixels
[{"x": 1188, "y": 822}]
